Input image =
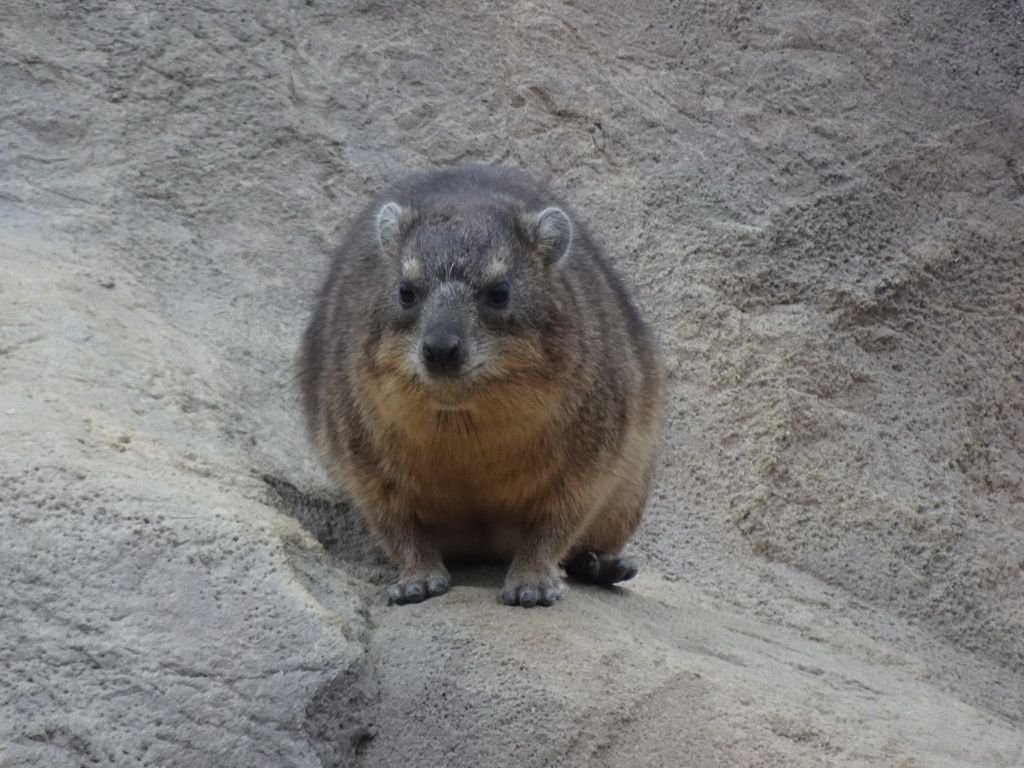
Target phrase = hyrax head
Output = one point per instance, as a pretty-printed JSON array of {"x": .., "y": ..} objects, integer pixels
[{"x": 473, "y": 291}]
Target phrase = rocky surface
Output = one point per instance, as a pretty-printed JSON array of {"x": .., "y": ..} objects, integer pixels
[{"x": 822, "y": 210}]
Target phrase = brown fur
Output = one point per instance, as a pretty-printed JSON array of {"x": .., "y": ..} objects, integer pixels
[{"x": 536, "y": 445}]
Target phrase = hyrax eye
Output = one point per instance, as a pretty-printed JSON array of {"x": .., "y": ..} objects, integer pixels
[
  {"x": 498, "y": 295},
  {"x": 406, "y": 294}
]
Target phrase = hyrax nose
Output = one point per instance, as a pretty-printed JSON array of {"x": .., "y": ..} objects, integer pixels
[{"x": 443, "y": 352}]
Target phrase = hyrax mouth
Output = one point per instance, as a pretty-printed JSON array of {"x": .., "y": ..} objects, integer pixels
[{"x": 450, "y": 381}]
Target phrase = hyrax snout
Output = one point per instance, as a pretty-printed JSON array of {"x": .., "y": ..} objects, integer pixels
[{"x": 477, "y": 379}]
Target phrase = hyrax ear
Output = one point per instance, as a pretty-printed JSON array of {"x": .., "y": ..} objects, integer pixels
[
  {"x": 552, "y": 233},
  {"x": 392, "y": 221}
]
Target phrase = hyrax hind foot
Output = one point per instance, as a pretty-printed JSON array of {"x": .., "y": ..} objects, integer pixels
[
  {"x": 597, "y": 568},
  {"x": 417, "y": 586}
]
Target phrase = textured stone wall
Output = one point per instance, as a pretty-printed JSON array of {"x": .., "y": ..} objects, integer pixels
[{"x": 821, "y": 207}]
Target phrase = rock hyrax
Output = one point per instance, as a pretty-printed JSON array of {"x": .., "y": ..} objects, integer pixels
[{"x": 478, "y": 380}]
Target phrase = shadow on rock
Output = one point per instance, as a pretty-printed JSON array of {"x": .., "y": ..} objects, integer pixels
[
  {"x": 338, "y": 528},
  {"x": 339, "y": 718}
]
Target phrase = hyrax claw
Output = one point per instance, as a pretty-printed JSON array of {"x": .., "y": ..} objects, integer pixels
[
  {"x": 529, "y": 596},
  {"x": 416, "y": 592}
]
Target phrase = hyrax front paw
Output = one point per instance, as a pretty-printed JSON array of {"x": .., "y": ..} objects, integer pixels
[
  {"x": 416, "y": 587},
  {"x": 531, "y": 588}
]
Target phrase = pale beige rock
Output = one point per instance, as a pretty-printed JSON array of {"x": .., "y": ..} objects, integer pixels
[{"x": 822, "y": 211}]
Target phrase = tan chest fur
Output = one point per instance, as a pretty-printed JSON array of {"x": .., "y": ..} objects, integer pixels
[{"x": 494, "y": 458}]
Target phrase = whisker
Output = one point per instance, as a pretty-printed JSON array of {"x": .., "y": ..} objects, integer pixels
[
  {"x": 437, "y": 433},
  {"x": 472, "y": 428}
]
